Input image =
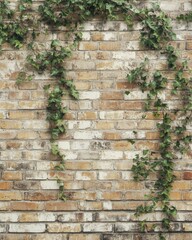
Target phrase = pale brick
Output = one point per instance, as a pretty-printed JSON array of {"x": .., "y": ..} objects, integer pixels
[
  {"x": 109, "y": 175},
  {"x": 89, "y": 95},
  {"x": 27, "y": 228},
  {"x": 84, "y": 237},
  {"x": 65, "y": 227},
  {"x": 49, "y": 185},
  {"x": 126, "y": 227},
  {"x": 97, "y": 227},
  {"x": 80, "y": 145},
  {"x": 85, "y": 176},
  {"x": 108, "y": 155},
  {"x": 9, "y": 217},
  {"x": 123, "y": 55},
  {"x": 87, "y": 135},
  {"x": 112, "y": 115},
  {"x": 3, "y": 228},
  {"x": 64, "y": 145}
]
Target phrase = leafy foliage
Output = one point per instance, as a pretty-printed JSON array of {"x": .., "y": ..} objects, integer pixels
[{"x": 157, "y": 28}]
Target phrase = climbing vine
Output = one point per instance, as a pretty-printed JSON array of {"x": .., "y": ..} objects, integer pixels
[{"x": 22, "y": 26}]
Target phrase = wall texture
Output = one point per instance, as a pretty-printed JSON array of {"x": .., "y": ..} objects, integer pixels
[{"x": 99, "y": 184}]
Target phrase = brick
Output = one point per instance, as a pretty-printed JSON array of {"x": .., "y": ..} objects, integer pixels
[
  {"x": 84, "y": 237},
  {"x": 8, "y": 105},
  {"x": 63, "y": 227},
  {"x": 61, "y": 206},
  {"x": 12, "y": 175},
  {"x": 78, "y": 165},
  {"x": 120, "y": 237},
  {"x": 5, "y": 185},
  {"x": 109, "y": 105},
  {"x": 28, "y": 86},
  {"x": 111, "y": 115},
  {"x": 102, "y": 185},
  {"x": 112, "y": 95},
  {"x": 4, "y": 206},
  {"x": 37, "y": 217},
  {"x": 97, "y": 227},
  {"x": 8, "y": 196},
  {"x": 87, "y": 75},
  {"x": 90, "y": 206},
  {"x": 83, "y": 195},
  {"x": 181, "y": 185},
  {"x": 10, "y": 124},
  {"x": 108, "y": 155},
  {"x": 26, "y": 206},
  {"x": 110, "y": 46},
  {"x": 3, "y": 228},
  {"x": 87, "y": 135},
  {"x": 8, "y": 134},
  {"x": 187, "y": 175},
  {"x": 19, "y": 95},
  {"x": 87, "y": 115},
  {"x": 89, "y": 95},
  {"x": 111, "y": 195},
  {"x": 85, "y": 176},
  {"x": 102, "y": 165},
  {"x": 9, "y": 217},
  {"x": 126, "y": 227},
  {"x": 112, "y": 216},
  {"x": 109, "y": 175},
  {"x": 104, "y": 125},
  {"x": 122, "y": 145},
  {"x": 22, "y": 115},
  {"x": 41, "y": 196},
  {"x": 27, "y": 228},
  {"x": 111, "y": 136},
  {"x": 32, "y": 105},
  {"x": 88, "y": 46},
  {"x": 124, "y": 185}
]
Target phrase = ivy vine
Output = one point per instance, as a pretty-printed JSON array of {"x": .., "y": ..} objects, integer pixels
[{"x": 23, "y": 29}]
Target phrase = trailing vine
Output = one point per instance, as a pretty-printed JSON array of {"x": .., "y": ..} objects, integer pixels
[{"x": 155, "y": 35}]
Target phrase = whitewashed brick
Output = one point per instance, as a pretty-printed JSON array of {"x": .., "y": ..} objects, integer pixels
[
  {"x": 103, "y": 165},
  {"x": 9, "y": 217},
  {"x": 97, "y": 227},
  {"x": 123, "y": 55},
  {"x": 27, "y": 228},
  {"x": 126, "y": 227},
  {"x": 89, "y": 95},
  {"x": 108, "y": 155},
  {"x": 170, "y": 6},
  {"x": 35, "y": 124},
  {"x": 3, "y": 228},
  {"x": 107, "y": 205},
  {"x": 86, "y": 36},
  {"x": 64, "y": 145},
  {"x": 49, "y": 185},
  {"x": 85, "y": 104},
  {"x": 110, "y": 36},
  {"x": 43, "y": 166},
  {"x": 87, "y": 135},
  {"x": 36, "y": 174},
  {"x": 71, "y": 155},
  {"x": 80, "y": 145},
  {"x": 127, "y": 175}
]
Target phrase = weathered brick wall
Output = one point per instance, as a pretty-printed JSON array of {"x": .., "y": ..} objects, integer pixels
[{"x": 98, "y": 181}]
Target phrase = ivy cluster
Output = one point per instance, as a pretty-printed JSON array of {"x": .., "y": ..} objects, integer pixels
[
  {"x": 156, "y": 32},
  {"x": 164, "y": 165}
]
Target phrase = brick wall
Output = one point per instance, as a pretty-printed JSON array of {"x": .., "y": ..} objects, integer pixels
[{"x": 98, "y": 181}]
